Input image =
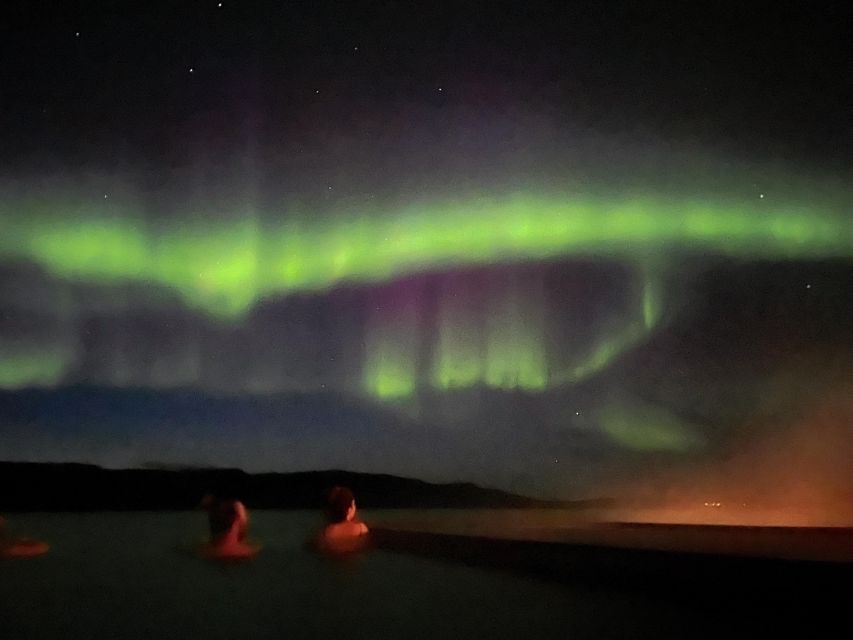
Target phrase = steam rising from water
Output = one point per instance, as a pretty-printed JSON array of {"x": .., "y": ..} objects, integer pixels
[{"x": 797, "y": 476}]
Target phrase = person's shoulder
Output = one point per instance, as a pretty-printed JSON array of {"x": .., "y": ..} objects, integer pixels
[
  {"x": 240, "y": 551},
  {"x": 354, "y": 529}
]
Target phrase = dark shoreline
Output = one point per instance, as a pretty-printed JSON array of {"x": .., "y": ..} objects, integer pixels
[{"x": 26, "y": 486}]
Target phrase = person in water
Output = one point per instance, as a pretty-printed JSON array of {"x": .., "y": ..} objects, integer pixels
[
  {"x": 19, "y": 547},
  {"x": 344, "y": 532},
  {"x": 229, "y": 522}
]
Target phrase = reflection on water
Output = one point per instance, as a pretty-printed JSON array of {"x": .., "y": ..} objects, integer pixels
[{"x": 119, "y": 575}]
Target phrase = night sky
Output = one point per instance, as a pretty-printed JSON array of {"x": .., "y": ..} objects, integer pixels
[{"x": 563, "y": 249}]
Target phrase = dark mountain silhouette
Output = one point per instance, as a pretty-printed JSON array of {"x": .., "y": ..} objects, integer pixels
[{"x": 28, "y": 486}]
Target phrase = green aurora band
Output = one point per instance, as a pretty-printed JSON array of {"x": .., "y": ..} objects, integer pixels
[
  {"x": 38, "y": 367},
  {"x": 500, "y": 346},
  {"x": 223, "y": 267},
  {"x": 391, "y": 351},
  {"x": 634, "y": 330},
  {"x": 644, "y": 427},
  {"x": 492, "y": 337}
]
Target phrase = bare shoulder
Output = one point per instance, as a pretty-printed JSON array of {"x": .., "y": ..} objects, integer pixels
[
  {"x": 362, "y": 528},
  {"x": 242, "y": 551}
]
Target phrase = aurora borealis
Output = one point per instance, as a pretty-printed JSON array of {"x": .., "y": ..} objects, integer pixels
[
  {"x": 224, "y": 268},
  {"x": 536, "y": 256}
]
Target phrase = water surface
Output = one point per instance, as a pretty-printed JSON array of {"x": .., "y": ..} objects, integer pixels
[{"x": 119, "y": 575}]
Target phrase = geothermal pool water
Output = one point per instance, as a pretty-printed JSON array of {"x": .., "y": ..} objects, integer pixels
[{"x": 120, "y": 575}]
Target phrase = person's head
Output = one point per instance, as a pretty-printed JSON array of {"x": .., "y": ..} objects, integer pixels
[
  {"x": 341, "y": 507},
  {"x": 221, "y": 515}
]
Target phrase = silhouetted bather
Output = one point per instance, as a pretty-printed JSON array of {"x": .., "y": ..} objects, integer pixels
[
  {"x": 228, "y": 526},
  {"x": 19, "y": 547},
  {"x": 344, "y": 533}
]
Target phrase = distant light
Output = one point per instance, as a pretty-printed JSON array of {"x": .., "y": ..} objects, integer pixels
[
  {"x": 808, "y": 286},
  {"x": 77, "y": 34},
  {"x": 106, "y": 196},
  {"x": 219, "y": 5},
  {"x": 192, "y": 70},
  {"x": 761, "y": 195},
  {"x": 440, "y": 89},
  {"x": 577, "y": 413}
]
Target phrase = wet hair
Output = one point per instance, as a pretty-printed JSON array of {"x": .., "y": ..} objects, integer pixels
[
  {"x": 339, "y": 502},
  {"x": 221, "y": 515}
]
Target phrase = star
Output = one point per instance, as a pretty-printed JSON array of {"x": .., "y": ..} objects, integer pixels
[{"x": 192, "y": 69}]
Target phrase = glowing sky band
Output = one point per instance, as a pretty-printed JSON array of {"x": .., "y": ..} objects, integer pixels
[{"x": 223, "y": 268}]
